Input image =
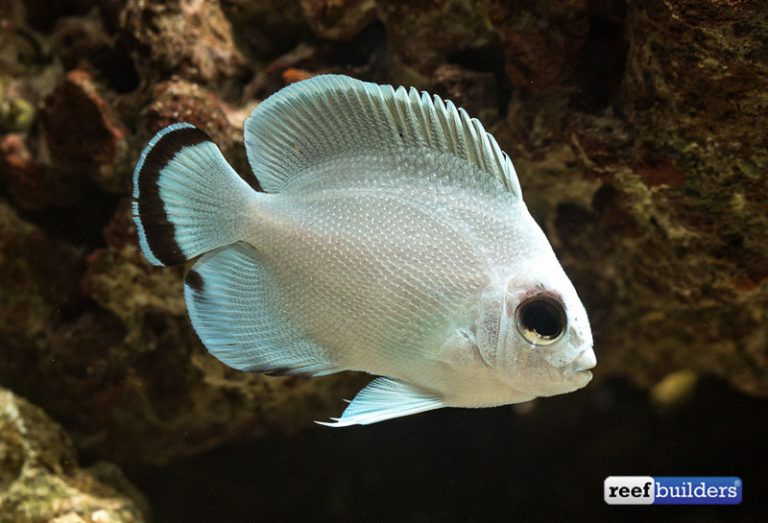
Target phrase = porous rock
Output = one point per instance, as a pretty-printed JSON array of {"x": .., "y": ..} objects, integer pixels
[
  {"x": 656, "y": 202},
  {"x": 82, "y": 132},
  {"x": 423, "y": 34},
  {"x": 266, "y": 28},
  {"x": 338, "y": 19},
  {"x": 191, "y": 38},
  {"x": 40, "y": 480},
  {"x": 39, "y": 280},
  {"x": 540, "y": 41}
]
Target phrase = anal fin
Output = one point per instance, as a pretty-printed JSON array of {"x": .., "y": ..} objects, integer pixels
[
  {"x": 232, "y": 306},
  {"x": 383, "y": 399}
]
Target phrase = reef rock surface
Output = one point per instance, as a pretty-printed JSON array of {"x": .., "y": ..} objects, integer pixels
[
  {"x": 40, "y": 480},
  {"x": 637, "y": 129}
]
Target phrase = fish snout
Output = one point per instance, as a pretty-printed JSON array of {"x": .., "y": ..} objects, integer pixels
[
  {"x": 579, "y": 372},
  {"x": 585, "y": 361}
]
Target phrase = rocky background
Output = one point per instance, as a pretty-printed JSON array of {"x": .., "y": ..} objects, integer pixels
[{"x": 638, "y": 129}]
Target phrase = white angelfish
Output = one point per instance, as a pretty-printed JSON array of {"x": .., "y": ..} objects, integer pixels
[{"x": 391, "y": 238}]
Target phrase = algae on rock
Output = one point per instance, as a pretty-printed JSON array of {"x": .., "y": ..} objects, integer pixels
[{"x": 40, "y": 480}]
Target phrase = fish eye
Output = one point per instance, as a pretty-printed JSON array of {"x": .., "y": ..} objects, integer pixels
[{"x": 541, "y": 320}]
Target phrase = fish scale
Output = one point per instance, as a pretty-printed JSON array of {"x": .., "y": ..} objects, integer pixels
[
  {"x": 402, "y": 270},
  {"x": 392, "y": 239}
]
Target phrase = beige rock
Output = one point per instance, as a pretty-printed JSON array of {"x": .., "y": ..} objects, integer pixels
[{"x": 40, "y": 480}]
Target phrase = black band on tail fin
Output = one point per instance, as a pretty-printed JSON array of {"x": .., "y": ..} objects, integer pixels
[
  {"x": 156, "y": 231},
  {"x": 187, "y": 200}
]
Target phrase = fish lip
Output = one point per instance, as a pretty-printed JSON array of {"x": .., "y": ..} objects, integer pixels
[
  {"x": 590, "y": 363},
  {"x": 576, "y": 372},
  {"x": 580, "y": 377}
]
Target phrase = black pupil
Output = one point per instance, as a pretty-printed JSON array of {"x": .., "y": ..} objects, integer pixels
[{"x": 542, "y": 317}]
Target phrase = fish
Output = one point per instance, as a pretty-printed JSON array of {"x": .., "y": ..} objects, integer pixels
[{"x": 389, "y": 237}]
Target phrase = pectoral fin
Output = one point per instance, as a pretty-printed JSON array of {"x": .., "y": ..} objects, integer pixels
[{"x": 383, "y": 399}]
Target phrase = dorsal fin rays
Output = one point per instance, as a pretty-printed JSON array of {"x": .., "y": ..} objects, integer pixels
[
  {"x": 448, "y": 118},
  {"x": 330, "y": 115}
]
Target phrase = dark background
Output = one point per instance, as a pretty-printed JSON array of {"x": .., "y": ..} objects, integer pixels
[{"x": 480, "y": 465}]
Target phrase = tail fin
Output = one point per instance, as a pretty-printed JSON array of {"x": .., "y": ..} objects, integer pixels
[{"x": 187, "y": 200}]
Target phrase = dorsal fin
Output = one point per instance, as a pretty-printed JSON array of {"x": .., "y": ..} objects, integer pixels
[{"x": 309, "y": 121}]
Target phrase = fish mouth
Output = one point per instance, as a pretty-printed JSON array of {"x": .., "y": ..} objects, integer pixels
[
  {"x": 580, "y": 377},
  {"x": 581, "y": 369},
  {"x": 585, "y": 361}
]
